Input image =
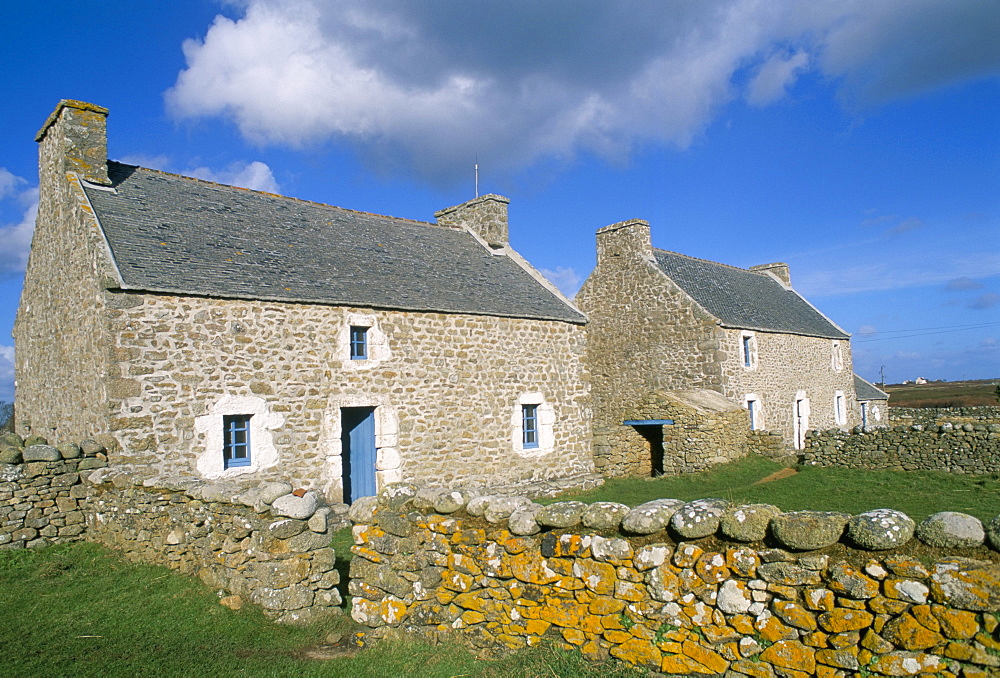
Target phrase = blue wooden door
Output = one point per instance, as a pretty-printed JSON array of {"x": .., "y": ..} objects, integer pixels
[{"x": 358, "y": 452}]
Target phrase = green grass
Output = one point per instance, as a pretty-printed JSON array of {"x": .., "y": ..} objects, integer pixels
[
  {"x": 78, "y": 610},
  {"x": 944, "y": 394},
  {"x": 916, "y": 493}
]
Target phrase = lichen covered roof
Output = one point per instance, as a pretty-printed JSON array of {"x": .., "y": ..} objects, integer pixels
[
  {"x": 744, "y": 299},
  {"x": 174, "y": 234},
  {"x": 865, "y": 390}
]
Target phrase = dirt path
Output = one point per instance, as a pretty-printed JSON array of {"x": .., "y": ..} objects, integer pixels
[{"x": 778, "y": 475}]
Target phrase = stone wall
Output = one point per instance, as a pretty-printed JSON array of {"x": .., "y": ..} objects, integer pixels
[
  {"x": 446, "y": 389},
  {"x": 952, "y": 447},
  {"x": 940, "y": 415},
  {"x": 689, "y": 589},
  {"x": 263, "y": 544},
  {"x": 62, "y": 325}
]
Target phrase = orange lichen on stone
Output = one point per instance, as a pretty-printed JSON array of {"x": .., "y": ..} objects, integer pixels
[
  {"x": 531, "y": 568},
  {"x": 562, "y": 612},
  {"x": 574, "y": 636},
  {"x": 843, "y": 619},
  {"x": 598, "y": 577},
  {"x": 790, "y": 654},
  {"x": 906, "y": 632},
  {"x": 626, "y": 590},
  {"x": 794, "y": 614},
  {"x": 773, "y": 629},
  {"x": 637, "y": 651},
  {"x": 456, "y": 581},
  {"x": 710, "y": 659},
  {"x": 602, "y": 605}
]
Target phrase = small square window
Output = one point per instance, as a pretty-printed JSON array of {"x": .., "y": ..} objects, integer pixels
[
  {"x": 235, "y": 440},
  {"x": 359, "y": 343},
  {"x": 529, "y": 426}
]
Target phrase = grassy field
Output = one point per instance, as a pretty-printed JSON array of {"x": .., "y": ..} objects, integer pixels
[
  {"x": 916, "y": 493},
  {"x": 944, "y": 394},
  {"x": 77, "y": 610}
]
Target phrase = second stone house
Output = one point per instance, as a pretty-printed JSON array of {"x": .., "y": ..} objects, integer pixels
[
  {"x": 221, "y": 333},
  {"x": 661, "y": 322}
]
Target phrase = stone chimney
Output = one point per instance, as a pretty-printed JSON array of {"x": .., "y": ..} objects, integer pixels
[
  {"x": 75, "y": 139},
  {"x": 486, "y": 216},
  {"x": 628, "y": 239},
  {"x": 777, "y": 269}
]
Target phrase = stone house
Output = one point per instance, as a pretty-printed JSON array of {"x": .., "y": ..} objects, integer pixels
[
  {"x": 665, "y": 322},
  {"x": 873, "y": 404},
  {"x": 225, "y": 333}
]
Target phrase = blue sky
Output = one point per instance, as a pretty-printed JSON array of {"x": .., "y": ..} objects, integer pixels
[{"x": 859, "y": 142}]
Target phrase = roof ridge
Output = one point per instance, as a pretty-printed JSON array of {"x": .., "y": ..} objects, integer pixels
[
  {"x": 281, "y": 196},
  {"x": 707, "y": 261}
]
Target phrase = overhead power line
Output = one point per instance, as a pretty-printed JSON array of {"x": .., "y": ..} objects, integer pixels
[{"x": 926, "y": 331}]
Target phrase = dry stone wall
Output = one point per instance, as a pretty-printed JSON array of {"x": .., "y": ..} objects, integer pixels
[
  {"x": 692, "y": 589},
  {"x": 257, "y": 543},
  {"x": 953, "y": 447},
  {"x": 939, "y": 415}
]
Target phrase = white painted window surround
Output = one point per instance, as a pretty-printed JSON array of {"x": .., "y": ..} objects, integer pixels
[
  {"x": 748, "y": 350},
  {"x": 263, "y": 454},
  {"x": 839, "y": 411},
  {"x": 546, "y": 424},
  {"x": 378, "y": 344},
  {"x": 752, "y": 403},
  {"x": 837, "y": 357}
]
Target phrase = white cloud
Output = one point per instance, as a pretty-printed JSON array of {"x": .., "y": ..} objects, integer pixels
[
  {"x": 256, "y": 176},
  {"x": 775, "y": 76},
  {"x": 565, "y": 278},
  {"x": 433, "y": 85},
  {"x": 15, "y": 238}
]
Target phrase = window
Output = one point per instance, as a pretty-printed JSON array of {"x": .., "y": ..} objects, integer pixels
[
  {"x": 235, "y": 440},
  {"x": 359, "y": 343},
  {"x": 529, "y": 426},
  {"x": 837, "y": 360},
  {"x": 838, "y": 409},
  {"x": 749, "y": 350},
  {"x": 753, "y": 407}
]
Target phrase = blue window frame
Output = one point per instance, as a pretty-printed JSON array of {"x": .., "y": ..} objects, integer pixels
[
  {"x": 529, "y": 426},
  {"x": 359, "y": 343},
  {"x": 235, "y": 440}
]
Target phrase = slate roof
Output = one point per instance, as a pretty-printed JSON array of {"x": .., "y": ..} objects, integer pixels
[
  {"x": 174, "y": 234},
  {"x": 866, "y": 390},
  {"x": 743, "y": 299}
]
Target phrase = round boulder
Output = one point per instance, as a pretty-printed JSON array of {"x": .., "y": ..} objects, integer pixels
[
  {"x": 450, "y": 501},
  {"x": 950, "y": 529},
  {"x": 477, "y": 505},
  {"x": 605, "y": 515},
  {"x": 362, "y": 510},
  {"x": 69, "y": 450},
  {"x": 41, "y": 453},
  {"x": 561, "y": 514},
  {"x": 808, "y": 530},
  {"x": 500, "y": 508},
  {"x": 91, "y": 448},
  {"x": 699, "y": 518},
  {"x": 993, "y": 533},
  {"x": 880, "y": 529},
  {"x": 291, "y": 506},
  {"x": 650, "y": 517},
  {"x": 522, "y": 521},
  {"x": 747, "y": 522}
]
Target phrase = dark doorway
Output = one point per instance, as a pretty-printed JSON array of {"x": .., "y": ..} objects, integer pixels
[
  {"x": 652, "y": 431},
  {"x": 358, "y": 452}
]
